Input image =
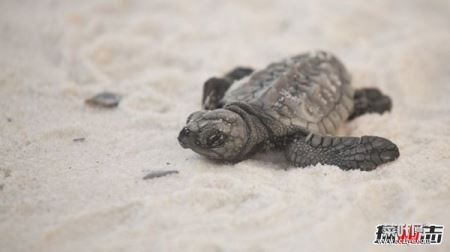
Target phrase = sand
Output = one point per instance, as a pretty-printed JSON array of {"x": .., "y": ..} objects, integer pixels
[{"x": 57, "y": 194}]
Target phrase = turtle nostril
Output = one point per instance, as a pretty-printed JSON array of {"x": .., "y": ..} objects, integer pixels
[
  {"x": 185, "y": 132},
  {"x": 183, "y": 137}
]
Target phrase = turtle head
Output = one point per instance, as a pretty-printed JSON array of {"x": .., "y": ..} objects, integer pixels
[{"x": 218, "y": 134}]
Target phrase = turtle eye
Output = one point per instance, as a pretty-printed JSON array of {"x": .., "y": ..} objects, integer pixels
[{"x": 215, "y": 140}]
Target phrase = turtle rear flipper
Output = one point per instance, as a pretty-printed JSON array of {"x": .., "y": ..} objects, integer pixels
[
  {"x": 364, "y": 153},
  {"x": 370, "y": 100}
]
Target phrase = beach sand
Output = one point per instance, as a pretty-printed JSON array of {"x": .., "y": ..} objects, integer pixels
[{"x": 57, "y": 194}]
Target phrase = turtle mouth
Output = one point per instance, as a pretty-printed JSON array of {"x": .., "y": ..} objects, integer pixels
[
  {"x": 209, "y": 154},
  {"x": 183, "y": 144},
  {"x": 187, "y": 139}
]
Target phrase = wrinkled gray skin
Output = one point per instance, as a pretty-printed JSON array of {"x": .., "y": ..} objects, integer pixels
[{"x": 295, "y": 105}]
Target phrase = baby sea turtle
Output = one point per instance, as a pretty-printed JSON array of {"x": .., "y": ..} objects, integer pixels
[{"x": 295, "y": 105}]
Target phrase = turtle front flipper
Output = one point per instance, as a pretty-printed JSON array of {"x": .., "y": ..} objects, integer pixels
[
  {"x": 363, "y": 153},
  {"x": 214, "y": 88}
]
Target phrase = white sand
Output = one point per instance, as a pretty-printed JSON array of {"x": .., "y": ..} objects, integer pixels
[{"x": 60, "y": 195}]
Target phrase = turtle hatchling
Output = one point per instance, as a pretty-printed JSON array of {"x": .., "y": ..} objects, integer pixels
[{"x": 295, "y": 105}]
